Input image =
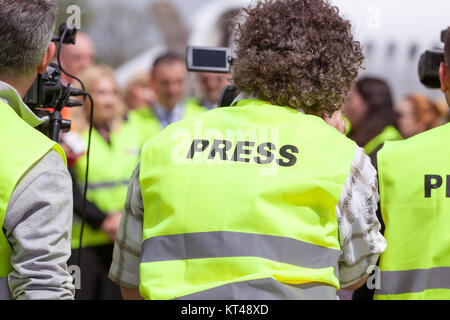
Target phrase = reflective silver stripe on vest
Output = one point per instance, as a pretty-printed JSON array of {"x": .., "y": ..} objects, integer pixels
[
  {"x": 409, "y": 281},
  {"x": 4, "y": 289},
  {"x": 265, "y": 289},
  {"x": 106, "y": 185},
  {"x": 221, "y": 244}
]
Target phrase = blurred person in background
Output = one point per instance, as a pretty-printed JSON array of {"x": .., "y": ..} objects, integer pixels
[
  {"x": 370, "y": 110},
  {"x": 168, "y": 80},
  {"x": 417, "y": 114},
  {"x": 78, "y": 57},
  {"x": 113, "y": 155},
  {"x": 210, "y": 86},
  {"x": 75, "y": 58},
  {"x": 443, "y": 109},
  {"x": 138, "y": 92}
]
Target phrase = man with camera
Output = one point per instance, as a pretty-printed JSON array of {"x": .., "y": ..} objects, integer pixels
[
  {"x": 414, "y": 180},
  {"x": 35, "y": 186},
  {"x": 262, "y": 199}
]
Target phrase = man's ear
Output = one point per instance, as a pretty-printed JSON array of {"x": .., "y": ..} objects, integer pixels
[
  {"x": 48, "y": 56},
  {"x": 444, "y": 77}
]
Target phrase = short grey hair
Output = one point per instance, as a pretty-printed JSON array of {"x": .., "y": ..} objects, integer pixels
[{"x": 26, "y": 29}]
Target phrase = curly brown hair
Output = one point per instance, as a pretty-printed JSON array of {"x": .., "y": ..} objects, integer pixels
[{"x": 297, "y": 53}]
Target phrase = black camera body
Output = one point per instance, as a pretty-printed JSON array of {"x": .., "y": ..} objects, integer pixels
[
  {"x": 429, "y": 64},
  {"x": 48, "y": 96},
  {"x": 46, "y": 90}
]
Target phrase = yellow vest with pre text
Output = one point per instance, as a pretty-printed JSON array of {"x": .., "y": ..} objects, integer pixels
[{"x": 414, "y": 180}]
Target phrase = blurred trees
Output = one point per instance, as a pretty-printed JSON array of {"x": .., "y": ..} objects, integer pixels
[
  {"x": 169, "y": 21},
  {"x": 123, "y": 29},
  {"x": 119, "y": 29}
]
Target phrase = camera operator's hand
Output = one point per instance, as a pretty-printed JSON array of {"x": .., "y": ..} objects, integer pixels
[
  {"x": 111, "y": 224},
  {"x": 336, "y": 120}
]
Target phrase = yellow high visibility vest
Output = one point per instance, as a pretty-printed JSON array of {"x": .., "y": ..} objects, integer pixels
[
  {"x": 23, "y": 147},
  {"x": 348, "y": 126},
  {"x": 110, "y": 169},
  {"x": 414, "y": 179},
  {"x": 389, "y": 133},
  {"x": 239, "y": 203}
]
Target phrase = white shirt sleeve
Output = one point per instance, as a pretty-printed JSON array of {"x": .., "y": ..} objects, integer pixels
[{"x": 360, "y": 239}]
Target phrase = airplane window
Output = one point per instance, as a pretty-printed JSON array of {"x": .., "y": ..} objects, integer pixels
[
  {"x": 413, "y": 50},
  {"x": 392, "y": 47}
]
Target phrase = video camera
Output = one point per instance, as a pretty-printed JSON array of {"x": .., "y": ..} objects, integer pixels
[
  {"x": 216, "y": 60},
  {"x": 429, "y": 64},
  {"x": 48, "y": 96}
]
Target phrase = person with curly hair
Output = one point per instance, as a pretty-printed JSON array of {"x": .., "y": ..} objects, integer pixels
[
  {"x": 262, "y": 199},
  {"x": 306, "y": 62}
]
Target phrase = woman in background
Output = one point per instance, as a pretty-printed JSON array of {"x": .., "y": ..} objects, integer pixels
[
  {"x": 370, "y": 110},
  {"x": 417, "y": 114},
  {"x": 138, "y": 92},
  {"x": 114, "y": 154}
]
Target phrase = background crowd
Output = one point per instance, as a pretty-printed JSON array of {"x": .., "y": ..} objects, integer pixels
[{"x": 124, "y": 119}]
